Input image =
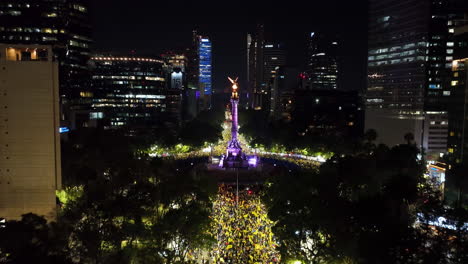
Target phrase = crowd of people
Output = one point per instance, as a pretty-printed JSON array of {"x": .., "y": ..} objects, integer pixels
[{"x": 242, "y": 229}]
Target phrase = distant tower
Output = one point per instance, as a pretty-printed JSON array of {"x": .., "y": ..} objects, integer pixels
[
  {"x": 255, "y": 45},
  {"x": 322, "y": 62},
  {"x": 204, "y": 79}
]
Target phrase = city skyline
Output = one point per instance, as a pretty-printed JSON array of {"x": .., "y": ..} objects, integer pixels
[
  {"x": 203, "y": 132},
  {"x": 143, "y": 32}
]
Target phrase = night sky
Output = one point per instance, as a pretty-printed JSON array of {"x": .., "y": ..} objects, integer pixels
[{"x": 155, "y": 26}]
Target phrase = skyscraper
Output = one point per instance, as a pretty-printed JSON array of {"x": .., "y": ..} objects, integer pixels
[
  {"x": 64, "y": 24},
  {"x": 458, "y": 108},
  {"x": 199, "y": 71},
  {"x": 255, "y": 67},
  {"x": 409, "y": 61},
  {"x": 205, "y": 83},
  {"x": 30, "y": 167},
  {"x": 263, "y": 59},
  {"x": 284, "y": 83},
  {"x": 322, "y": 65}
]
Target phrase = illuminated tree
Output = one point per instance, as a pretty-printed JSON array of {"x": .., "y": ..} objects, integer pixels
[{"x": 243, "y": 232}]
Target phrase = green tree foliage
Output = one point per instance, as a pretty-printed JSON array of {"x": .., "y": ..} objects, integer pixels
[
  {"x": 260, "y": 130},
  {"x": 140, "y": 211},
  {"x": 359, "y": 209},
  {"x": 32, "y": 240},
  {"x": 205, "y": 128},
  {"x": 117, "y": 207}
]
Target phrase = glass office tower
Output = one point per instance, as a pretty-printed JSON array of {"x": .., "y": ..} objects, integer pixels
[
  {"x": 409, "y": 64},
  {"x": 322, "y": 68},
  {"x": 132, "y": 93},
  {"x": 205, "y": 65}
]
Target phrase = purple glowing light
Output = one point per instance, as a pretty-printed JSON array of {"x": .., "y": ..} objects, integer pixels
[{"x": 253, "y": 161}]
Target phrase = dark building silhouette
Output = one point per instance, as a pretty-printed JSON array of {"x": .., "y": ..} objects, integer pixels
[
  {"x": 327, "y": 112},
  {"x": 458, "y": 107},
  {"x": 263, "y": 60},
  {"x": 285, "y": 81},
  {"x": 322, "y": 64},
  {"x": 255, "y": 67}
]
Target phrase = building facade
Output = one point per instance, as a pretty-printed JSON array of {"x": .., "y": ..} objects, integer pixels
[
  {"x": 199, "y": 71},
  {"x": 64, "y": 24},
  {"x": 322, "y": 65},
  {"x": 458, "y": 109},
  {"x": 409, "y": 60},
  {"x": 286, "y": 79},
  {"x": 30, "y": 170},
  {"x": 263, "y": 61},
  {"x": 133, "y": 93},
  {"x": 255, "y": 68}
]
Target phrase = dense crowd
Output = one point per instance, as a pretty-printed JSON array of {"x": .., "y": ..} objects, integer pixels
[{"x": 242, "y": 229}]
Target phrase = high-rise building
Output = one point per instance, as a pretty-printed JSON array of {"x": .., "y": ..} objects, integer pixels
[
  {"x": 458, "y": 108},
  {"x": 409, "y": 60},
  {"x": 178, "y": 75},
  {"x": 205, "y": 62},
  {"x": 132, "y": 92},
  {"x": 65, "y": 25},
  {"x": 30, "y": 170},
  {"x": 263, "y": 60},
  {"x": 274, "y": 57},
  {"x": 200, "y": 71},
  {"x": 255, "y": 67},
  {"x": 322, "y": 65},
  {"x": 284, "y": 82}
]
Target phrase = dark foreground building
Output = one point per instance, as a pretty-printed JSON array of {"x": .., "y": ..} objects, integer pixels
[
  {"x": 328, "y": 112},
  {"x": 322, "y": 64}
]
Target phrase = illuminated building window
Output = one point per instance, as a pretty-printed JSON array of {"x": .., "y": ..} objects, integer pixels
[
  {"x": 79, "y": 8},
  {"x": 86, "y": 94},
  {"x": 50, "y": 14},
  {"x": 96, "y": 115}
]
